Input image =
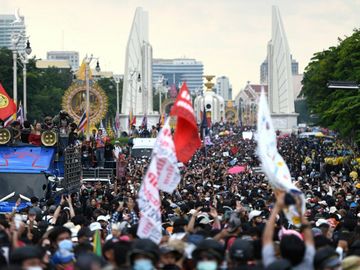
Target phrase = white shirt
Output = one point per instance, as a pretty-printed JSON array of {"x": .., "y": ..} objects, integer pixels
[{"x": 117, "y": 150}]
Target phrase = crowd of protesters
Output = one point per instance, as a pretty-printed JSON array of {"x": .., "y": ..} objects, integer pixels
[{"x": 214, "y": 220}]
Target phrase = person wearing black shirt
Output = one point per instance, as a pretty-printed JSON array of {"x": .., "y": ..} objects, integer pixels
[
  {"x": 86, "y": 154},
  {"x": 109, "y": 154},
  {"x": 73, "y": 136},
  {"x": 25, "y": 132}
]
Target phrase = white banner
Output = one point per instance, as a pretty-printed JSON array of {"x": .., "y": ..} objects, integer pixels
[
  {"x": 149, "y": 206},
  {"x": 163, "y": 173},
  {"x": 208, "y": 140},
  {"x": 272, "y": 162},
  {"x": 247, "y": 135},
  {"x": 165, "y": 158},
  {"x": 147, "y": 229}
]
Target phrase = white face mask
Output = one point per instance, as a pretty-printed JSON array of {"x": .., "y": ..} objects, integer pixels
[
  {"x": 33, "y": 268},
  {"x": 143, "y": 264},
  {"x": 206, "y": 265}
]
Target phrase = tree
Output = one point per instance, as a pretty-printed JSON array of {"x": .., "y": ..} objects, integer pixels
[
  {"x": 337, "y": 109},
  {"x": 109, "y": 86},
  {"x": 156, "y": 100},
  {"x": 45, "y": 87},
  {"x": 6, "y": 70}
]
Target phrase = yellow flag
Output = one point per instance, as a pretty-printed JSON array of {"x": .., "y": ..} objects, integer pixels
[{"x": 82, "y": 70}]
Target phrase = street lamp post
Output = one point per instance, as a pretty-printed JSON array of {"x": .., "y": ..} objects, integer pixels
[
  {"x": 24, "y": 60},
  {"x": 87, "y": 83},
  {"x": 14, "y": 53},
  {"x": 160, "y": 86},
  {"x": 15, "y": 39},
  {"x": 117, "y": 79}
]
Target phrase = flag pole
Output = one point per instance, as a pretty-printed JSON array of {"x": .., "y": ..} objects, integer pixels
[
  {"x": 204, "y": 133},
  {"x": 87, "y": 101}
]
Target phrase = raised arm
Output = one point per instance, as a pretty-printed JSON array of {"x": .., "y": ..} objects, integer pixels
[
  {"x": 270, "y": 225},
  {"x": 72, "y": 212},
  {"x": 190, "y": 227}
]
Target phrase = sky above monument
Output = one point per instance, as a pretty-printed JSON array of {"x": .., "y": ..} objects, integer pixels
[{"x": 229, "y": 36}]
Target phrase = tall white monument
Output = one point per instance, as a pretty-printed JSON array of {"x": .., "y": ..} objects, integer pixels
[
  {"x": 281, "y": 93},
  {"x": 137, "y": 95}
]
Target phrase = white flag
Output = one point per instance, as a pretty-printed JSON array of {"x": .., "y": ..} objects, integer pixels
[
  {"x": 163, "y": 173},
  {"x": 272, "y": 162},
  {"x": 147, "y": 229},
  {"x": 149, "y": 206},
  {"x": 165, "y": 158}
]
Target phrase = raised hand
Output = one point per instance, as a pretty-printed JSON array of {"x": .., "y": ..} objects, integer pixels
[{"x": 280, "y": 199}]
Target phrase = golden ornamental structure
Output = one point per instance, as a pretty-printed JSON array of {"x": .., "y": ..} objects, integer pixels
[
  {"x": 209, "y": 85},
  {"x": 231, "y": 112},
  {"x": 74, "y": 101}
]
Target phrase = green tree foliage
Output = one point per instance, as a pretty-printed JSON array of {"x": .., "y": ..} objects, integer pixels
[
  {"x": 109, "y": 86},
  {"x": 156, "y": 100},
  {"x": 337, "y": 109},
  {"x": 45, "y": 87},
  {"x": 6, "y": 69}
]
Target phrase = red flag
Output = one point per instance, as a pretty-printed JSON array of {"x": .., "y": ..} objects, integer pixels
[
  {"x": 186, "y": 137},
  {"x": 7, "y": 105},
  {"x": 133, "y": 121}
]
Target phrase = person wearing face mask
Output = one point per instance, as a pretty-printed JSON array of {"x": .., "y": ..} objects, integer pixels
[
  {"x": 144, "y": 255},
  {"x": 349, "y": 199},
  {"x": 208, "y": 255},
  {"x": 27, "y": 258}
]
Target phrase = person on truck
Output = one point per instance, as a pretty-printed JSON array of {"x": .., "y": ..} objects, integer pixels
[
  {"x": 100, "y": 149},
  {"x": 35, "y": 135},
  {"x": 109, "y": 154}
]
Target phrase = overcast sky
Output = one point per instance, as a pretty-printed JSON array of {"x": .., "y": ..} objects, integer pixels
[{"x": 228, "y": 36}]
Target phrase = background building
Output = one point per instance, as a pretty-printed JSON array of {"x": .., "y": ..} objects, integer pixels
[
  {"x": 71, "y": 56},
  {"x": 97, "y": 75},
  {"x": 223, "y": 88},
  {"x": 264, "y": 70},
  {"x": 176, "y": 71},
  {"x": 246, "y": 102},
  {"x": 61, "y": 64},
  {"x": 10, "y": 24}
]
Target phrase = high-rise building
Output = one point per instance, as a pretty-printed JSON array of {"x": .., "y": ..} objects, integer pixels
[
  {"x": 71, "y": 56},
  {"x": 294, "y": 66},
  {"x": 264, "y": 70},
  {"x": 176, "y": 71},
  {"x": 223, "y": 87},
  {"x": 10, "y": 24}
]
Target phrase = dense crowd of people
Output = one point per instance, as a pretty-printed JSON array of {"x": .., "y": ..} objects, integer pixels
[{"x": 213, "y": 220}]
